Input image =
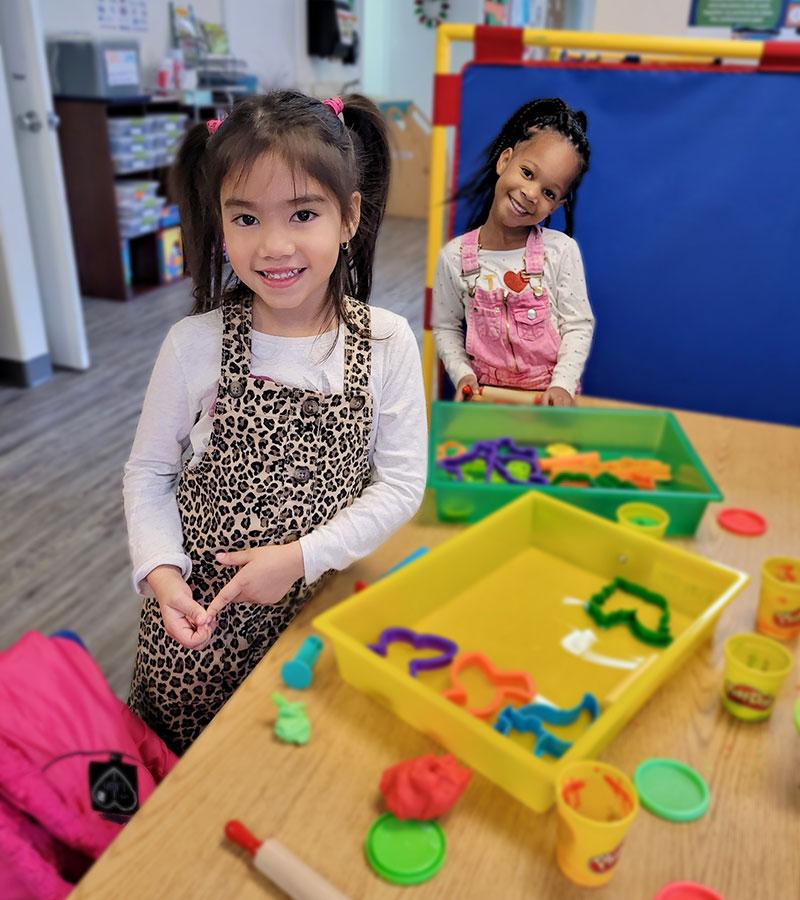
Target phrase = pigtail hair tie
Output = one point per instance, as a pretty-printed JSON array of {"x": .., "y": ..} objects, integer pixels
[{"x": 337, "y": 105}]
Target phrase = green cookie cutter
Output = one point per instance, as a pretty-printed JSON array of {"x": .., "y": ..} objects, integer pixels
[{"x": 660, "y": 637}]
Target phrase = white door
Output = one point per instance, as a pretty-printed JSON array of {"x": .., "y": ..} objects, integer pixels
[
  {"x": 28, "y": 84},
  {"x": 24, "y": 358}
]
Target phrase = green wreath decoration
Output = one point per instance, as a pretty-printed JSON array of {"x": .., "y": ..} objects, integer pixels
[{"x": 431, "y": 21}]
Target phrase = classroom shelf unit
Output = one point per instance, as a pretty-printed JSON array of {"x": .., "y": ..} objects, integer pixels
[{"x": 90, "y": 177}]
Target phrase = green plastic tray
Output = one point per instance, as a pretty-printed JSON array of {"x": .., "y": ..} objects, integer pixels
[{"x": 613, "y": 432}]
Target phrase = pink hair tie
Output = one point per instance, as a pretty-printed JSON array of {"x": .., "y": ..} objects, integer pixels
[
  {"x": 336, "y": 104},
  {"x": 213, "y": 124}
]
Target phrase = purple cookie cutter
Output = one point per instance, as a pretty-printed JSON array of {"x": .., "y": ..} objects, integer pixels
[
  {"x": 447, "y": 648},
  {"x": 497, "y": 454}
]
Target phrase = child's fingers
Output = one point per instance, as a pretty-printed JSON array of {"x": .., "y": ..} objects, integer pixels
[
  {"x": 237, "y": 558},
  {"x": 184, "y": 632},
  {"x": 203, "y": 637},
  {"x": 229, "y": 593},
  {"x": 190, "y": 609}
]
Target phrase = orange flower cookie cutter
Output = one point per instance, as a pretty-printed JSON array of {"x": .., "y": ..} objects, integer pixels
[
  {"x": 644, "y": 473},
  {"x": 511, "y": 685}
]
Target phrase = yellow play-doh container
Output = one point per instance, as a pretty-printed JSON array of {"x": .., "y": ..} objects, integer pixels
[
  {"x": 646, "y": 518},
  {"x": 596, "y": 805},
  {"x": 755, "y": 667},
  {"x": 779, "y": 601}
]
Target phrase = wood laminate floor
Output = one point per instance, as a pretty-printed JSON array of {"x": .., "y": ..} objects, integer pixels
[{"x": 63, "y": 546}]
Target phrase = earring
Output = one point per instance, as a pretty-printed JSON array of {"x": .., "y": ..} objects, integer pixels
[{"x": 345, "y": 246}]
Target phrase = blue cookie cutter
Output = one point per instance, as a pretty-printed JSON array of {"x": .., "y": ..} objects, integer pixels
[{"x": 531, "y": 718}]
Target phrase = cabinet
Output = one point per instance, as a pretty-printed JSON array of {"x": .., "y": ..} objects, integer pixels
[{"x": 89, "y": 176}]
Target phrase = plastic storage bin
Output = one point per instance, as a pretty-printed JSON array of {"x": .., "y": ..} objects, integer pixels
[
  {"x": 133, "y": 227},
  {"x": 131, "y": 143},
  {"x": 128, "y": 191},
  {"x": 128, "y": 126},
  {"x": 135, "y": 161},
  {"x": 508, "y": 587},
  {"x": 134, "y": 207},
  {"x": 168, "y": 122},
  {"x": 614, "y": 432}
]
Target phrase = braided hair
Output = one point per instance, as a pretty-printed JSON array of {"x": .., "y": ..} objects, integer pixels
[{"x": 536, "y": 116}]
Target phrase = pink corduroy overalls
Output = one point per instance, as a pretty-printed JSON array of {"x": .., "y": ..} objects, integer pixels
[{"x": 510, "y": 338}]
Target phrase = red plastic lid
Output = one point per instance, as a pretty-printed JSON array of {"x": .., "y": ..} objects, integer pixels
[
  {"x": 687, "y": 890},
  {"x": 742, "y": 521}
]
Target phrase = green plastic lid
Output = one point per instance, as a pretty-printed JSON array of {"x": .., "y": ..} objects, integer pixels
[
  {"x": 405, "y": 851},
  {"x": 671, "y": 789}
]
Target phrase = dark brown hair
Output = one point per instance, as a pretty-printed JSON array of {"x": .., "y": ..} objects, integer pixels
[
  {"x": 310, "y": 138},
  {"x": 534, "y": 117}
]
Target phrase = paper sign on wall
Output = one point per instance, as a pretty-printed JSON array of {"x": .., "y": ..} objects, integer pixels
[
  {"x": 122, "y": 15},
  {"x": 755, "y": 15}
]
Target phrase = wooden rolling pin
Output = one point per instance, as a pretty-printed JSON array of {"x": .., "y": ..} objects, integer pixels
[
  {"x": 491, "y": 394},
  {"x": 282, "y": 867}
]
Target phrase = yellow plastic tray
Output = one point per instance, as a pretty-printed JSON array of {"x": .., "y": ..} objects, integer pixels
[{"x": 509, "y": 586}]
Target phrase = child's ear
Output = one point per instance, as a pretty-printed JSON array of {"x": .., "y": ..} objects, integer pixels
[
  {"x": 503, "y": 160},
  {"x": 353, "y": 217}
]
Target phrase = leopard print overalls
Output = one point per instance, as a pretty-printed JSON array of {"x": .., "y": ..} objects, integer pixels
[{"x": 280, "y": 462}]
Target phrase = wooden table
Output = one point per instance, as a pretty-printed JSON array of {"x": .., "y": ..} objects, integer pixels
[{"x": 320, "y": 800}]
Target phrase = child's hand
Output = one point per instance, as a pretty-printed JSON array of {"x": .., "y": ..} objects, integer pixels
[
  {"x": 556, "y": 396},
  {"x": 184, "y": 618},
  {"x": 266, "y": 575},
  {"x": 468, "y": 381}
]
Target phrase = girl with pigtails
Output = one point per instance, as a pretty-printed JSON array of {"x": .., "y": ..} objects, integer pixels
[{"x": 283, "y": 433}]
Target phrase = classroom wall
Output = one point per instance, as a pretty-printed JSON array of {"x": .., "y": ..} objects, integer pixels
[
  {"x": 659, "y": 17},
  {"x": 399, "y": 52},
  {"x": 271, "y": 36},
  {"x": 314, "y": 73},
  {"x": 642, "y": 17},
  {"x": 263, "y": 33},
  {"x": 80, "y": 16}
]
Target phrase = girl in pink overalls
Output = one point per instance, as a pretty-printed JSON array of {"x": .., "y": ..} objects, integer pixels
[
  {"x": 283, "y": 432},
  {"x": 519, "y": 287}
]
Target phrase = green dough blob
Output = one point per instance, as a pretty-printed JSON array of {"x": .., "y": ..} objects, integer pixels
[{"x": 292, "y": 725}]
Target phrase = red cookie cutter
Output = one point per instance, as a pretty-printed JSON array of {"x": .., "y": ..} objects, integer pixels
[{"x": 511, "y": 685}]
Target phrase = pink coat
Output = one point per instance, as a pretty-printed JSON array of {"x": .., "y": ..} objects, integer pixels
[{"x": 54, "y": 701}]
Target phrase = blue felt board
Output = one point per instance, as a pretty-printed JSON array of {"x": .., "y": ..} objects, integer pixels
[{"x": 689, "y": 225}]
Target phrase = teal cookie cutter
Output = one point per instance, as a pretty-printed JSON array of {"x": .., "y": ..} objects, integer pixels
[
  {"x": 658, "y": 637},
  {"x": 532, "y": 719}
]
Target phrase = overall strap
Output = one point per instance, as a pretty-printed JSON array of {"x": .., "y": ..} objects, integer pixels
[
  {"x": 357, "y": 350},
  {"x": 534, "y": 252},
  {"x": 469, "y": 253},
  {"x": 237, "y": 318}
]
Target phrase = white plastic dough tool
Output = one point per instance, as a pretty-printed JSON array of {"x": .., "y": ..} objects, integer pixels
[{"x": 580, "y": 642}]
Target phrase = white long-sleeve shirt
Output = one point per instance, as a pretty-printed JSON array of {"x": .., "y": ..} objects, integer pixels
[
  {"x": 564, "y": 279},
  {"x": 176, "y": 423}
]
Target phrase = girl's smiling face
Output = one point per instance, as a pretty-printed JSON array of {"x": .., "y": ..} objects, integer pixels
[
  {"x": 282, "y": 233},
  {"x": 534, "y": 180}
]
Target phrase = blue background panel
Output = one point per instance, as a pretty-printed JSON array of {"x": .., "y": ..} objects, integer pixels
[{"x": 689, "y": 225}]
